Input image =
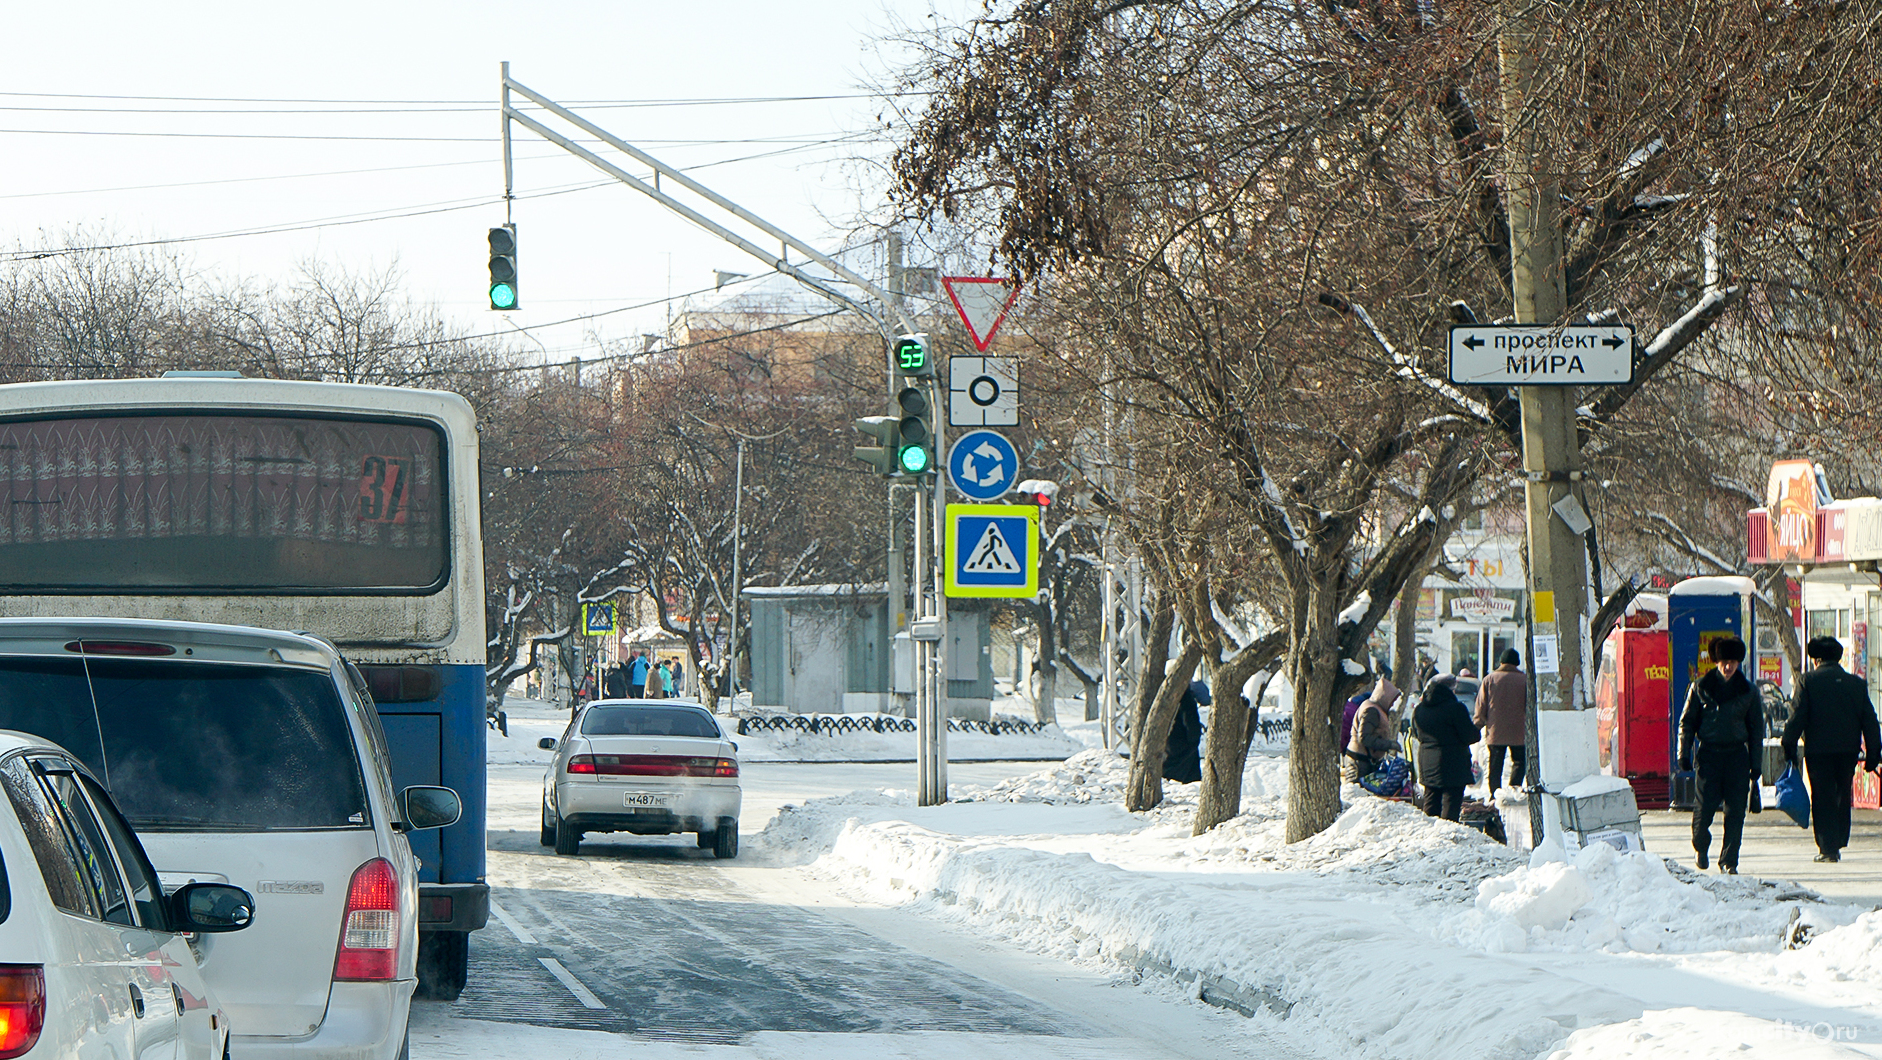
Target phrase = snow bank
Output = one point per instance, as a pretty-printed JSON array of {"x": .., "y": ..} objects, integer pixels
[
  {"x": 1325, "y": 964},
  {"x": 1707, "y": 1034},
  {"x": 1620, "y": 902}
]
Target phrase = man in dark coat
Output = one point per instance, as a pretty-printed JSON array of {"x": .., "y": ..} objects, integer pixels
[
  {"x": 1721, "y": 738},
  {"x": 1445, "y": 733},
  {"x": 1503, "y": 714},
  {"x": 1182, "y": 755},
  {"x": 1833, "y": 714}
]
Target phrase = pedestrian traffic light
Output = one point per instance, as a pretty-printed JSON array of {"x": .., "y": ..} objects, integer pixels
[
  {"x": 912, "y": 356},
  {"x": 503, "y": 267},
  {"x": 914, "y": 454},
  {"x": 882, "y": 455}
]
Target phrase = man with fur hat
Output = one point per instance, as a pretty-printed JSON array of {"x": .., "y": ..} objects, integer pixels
[
  {"x": 1833, "y": 714},
  {"x": 1721, "y": 738}
]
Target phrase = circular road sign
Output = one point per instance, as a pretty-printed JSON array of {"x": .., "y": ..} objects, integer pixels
[{"x": 982, "y": 465}]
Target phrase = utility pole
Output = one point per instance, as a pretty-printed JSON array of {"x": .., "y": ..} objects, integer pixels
[{"x": 1557, "y": 569}]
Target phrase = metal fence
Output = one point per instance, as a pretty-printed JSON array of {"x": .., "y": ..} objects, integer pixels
[{"x": 835, "y": 724}]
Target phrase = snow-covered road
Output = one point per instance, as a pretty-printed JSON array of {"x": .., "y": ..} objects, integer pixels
[{"x": 647, "y": 947}]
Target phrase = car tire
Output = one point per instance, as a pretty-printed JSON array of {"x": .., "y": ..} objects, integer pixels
[
  {"x": 443, "y": 965},
  {"x": 548, "y": 826},
  {"x": 725, "y": 838},
  {"x": 568, "y": 842},
  {"x": 706, "y": 838}
]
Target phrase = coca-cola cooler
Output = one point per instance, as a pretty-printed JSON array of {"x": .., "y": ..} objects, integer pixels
[
  {"x": 1632, "y": 697},
  {"x": 1699, "y": 610}
]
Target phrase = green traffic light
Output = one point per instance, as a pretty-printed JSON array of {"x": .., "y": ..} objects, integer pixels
[
  {"x": 502, "y": 296},
  {"x": 914, "y": 459}
]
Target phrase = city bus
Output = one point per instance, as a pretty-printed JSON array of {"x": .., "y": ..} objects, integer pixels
[{"x": 341, "y": 510}]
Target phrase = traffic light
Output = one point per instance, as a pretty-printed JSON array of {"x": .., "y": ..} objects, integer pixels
[
  {"x": 912, "y": 356},
  {"x": 914, "y": 453},
  {"x": 882, "y": 455},
  {"x": 503, "y": 267}
]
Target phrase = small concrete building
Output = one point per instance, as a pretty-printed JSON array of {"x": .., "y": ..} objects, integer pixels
[{"x": 826, "y": 649}]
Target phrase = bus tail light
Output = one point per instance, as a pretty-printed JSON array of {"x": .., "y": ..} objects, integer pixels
[
  {"x": 22, "y": 1007},
  {"x": 369, "y": 929}
]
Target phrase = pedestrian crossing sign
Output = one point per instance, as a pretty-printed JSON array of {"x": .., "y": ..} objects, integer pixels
[
  {"x": 992, "y": 550},
  {"x": 598, "y": 618}
]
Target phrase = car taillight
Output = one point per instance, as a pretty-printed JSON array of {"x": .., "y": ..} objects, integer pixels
[
  {"x": 369, "y": 930},
  {"x": 118, "y": 647},
  {"x": 654, "y": 766},
  {"x": 22, "y": 1007}
]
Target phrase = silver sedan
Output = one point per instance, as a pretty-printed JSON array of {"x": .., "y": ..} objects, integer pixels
[{"x": 650, "y": 767}]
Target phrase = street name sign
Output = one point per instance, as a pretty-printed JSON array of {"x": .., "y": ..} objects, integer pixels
[
  {"x": 983, "y": 392},
  {"x": 1576, "y": 354},
  {"x": 992, "y": 550},
  {"x": 982, "y": 465}
]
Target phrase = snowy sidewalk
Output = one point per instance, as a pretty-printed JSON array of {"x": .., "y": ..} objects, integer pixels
[{"x": 1390, "y": 935}]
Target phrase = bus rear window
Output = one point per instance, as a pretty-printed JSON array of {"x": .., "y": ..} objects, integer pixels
[
  {"x": 221, "y": 502},
  {"x": 197, "y": 747}
]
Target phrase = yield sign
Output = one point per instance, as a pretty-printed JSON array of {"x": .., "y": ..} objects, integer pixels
[{"x": 982, "y": 302}]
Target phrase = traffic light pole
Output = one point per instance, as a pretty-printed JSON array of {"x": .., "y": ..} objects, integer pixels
[{"x": 933, "y": 736}]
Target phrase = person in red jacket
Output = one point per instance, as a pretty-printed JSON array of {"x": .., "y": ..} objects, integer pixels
[{"x": 1832, "y": 713}]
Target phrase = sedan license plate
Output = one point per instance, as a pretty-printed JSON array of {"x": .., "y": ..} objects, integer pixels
[{"x": 646, "y": 800}]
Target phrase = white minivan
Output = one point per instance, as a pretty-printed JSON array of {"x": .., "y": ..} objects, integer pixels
[{"x": 254, "y": 758}]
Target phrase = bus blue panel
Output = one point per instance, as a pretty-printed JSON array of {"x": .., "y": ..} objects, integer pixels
[
  {"x": 417, "y": 743},
  {"x": 457, "y": 746}
]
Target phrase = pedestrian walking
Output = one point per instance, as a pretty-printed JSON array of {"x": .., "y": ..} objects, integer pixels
[
  {"x": 678, "y": 674},
  {"x": 1721, "y": 738},
  {"x": 1833, "y": 715},
  {"x": 1503, "y": 715},
  {"x": 614, "y": 684},
  {"x": 666, "y": 678},
  {"x": 656, "y": 685},
  {"x": 637, "y": 676},
  {"x": 1445, "y": 732},
  {"x": 1372, "y": 739}
]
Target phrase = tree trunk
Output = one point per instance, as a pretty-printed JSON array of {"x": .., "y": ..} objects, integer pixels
[
  {"x": 1313, "y": 767},
  {"x": 1405, "y": 634},
  {"x": 1151, "y": 743},
  {"x": 1151, "y": 666},
  {"x": 1225, "y": 752}
]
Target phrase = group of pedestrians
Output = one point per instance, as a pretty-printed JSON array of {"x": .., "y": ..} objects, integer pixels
[
  {"x": 1721, "y": 740},
  {"x": 641, "y": 677},
  {"x": 1446, "y": 730}
]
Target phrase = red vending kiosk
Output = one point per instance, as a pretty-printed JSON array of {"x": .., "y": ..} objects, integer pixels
[{"x": 1632, "y": 707}]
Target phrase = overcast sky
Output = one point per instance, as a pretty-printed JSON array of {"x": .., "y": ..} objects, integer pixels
[{"x": 138, "y": 121}]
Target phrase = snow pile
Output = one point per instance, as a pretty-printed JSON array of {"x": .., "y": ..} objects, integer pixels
[
  {"x": 1378, "y": 840},
  {"x": 1707, "y": 1034},
  {"x": 1095, "y": 775},
  {"x": 1618, "y": 902}
]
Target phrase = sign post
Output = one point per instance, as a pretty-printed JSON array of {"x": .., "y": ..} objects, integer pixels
[
  {"x": 982, "y": 465},
  {"x": 598, "y": 618},
  {"x": 1577, "y": 355}
]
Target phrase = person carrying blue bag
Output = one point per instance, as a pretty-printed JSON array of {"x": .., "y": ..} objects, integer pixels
[
  {"x": 1832, "y": 713},
  {"x": 1721, "y": 738}
]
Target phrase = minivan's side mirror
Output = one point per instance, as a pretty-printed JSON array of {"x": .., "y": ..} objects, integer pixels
[
  {"x": 209, "y": 907},
  {"x": 547, "y": 743},
  {"x": 425, "y": 806}
]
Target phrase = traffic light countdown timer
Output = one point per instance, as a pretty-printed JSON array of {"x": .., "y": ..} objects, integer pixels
[
  {"x": 503, "y": 267},
  {"x": 905, "y": 437}
]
